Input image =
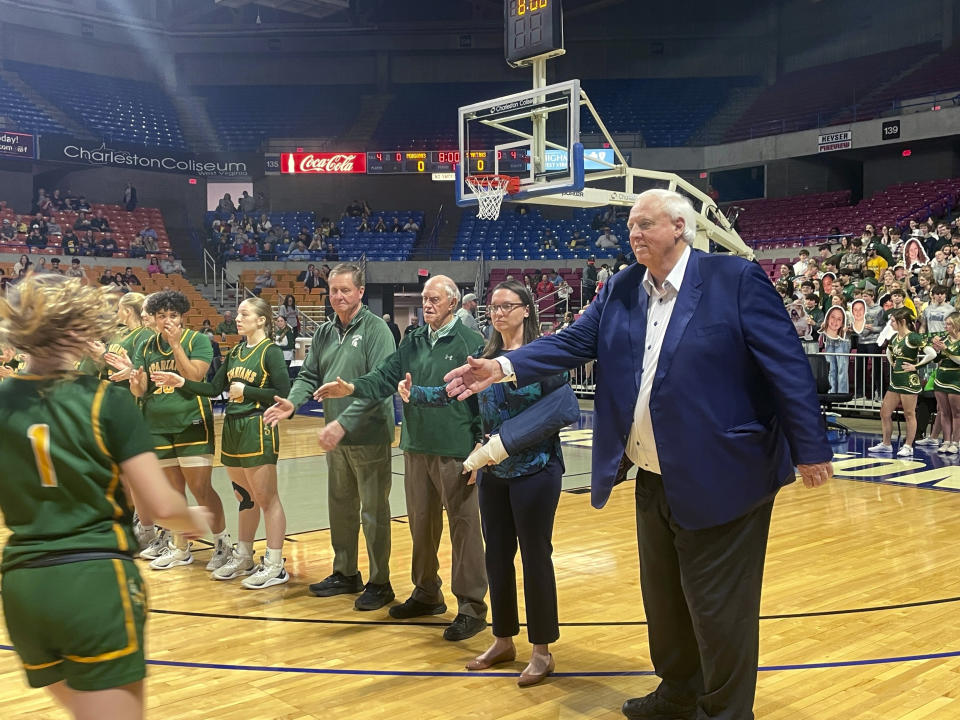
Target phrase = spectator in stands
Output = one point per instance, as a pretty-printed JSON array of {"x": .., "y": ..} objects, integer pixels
[
  {"x": 331, "y": 253},
  {"x": 226, "y": 204},
  {"x": 99, "y": 223},
  {"x": 299, "y": 252},
  {"x": 544, "y": 286},
  {"x": 825, "y": 250},
  {"x": 82, "y": 204},
  {"x": 106, "y": 277},
  {"x": 394, "y": 328},
  {"x": 467, "y": 311},
  {"x": 800, "y": 266},
  {"x": 8, "y": 231},
  {"x": 395, "y": 225},
  {"x": 853, "y": 259},
  {"x": 411, "y": 225},
  {"x": 836, "y": 344},
  {"x": 414, "y": 324},
  {"x": 21, "y": 225},
  {"x": 55, "y": 266},
  {"x": 129, "y": 278},
  {"x": 548, "y": 241},
  {"x": 228, "y": 326},
  {"x": 35, "y": 240},
  {"x": 290, "y": 313},
  {"x": 380, "y": 227},
  {"x": 54, "y": 228},
  {"x": 577, "y": 241},
  {"x": 875, "y": 263},
  {"x": 154, "y": 267},
  {"x": 564, "y": 291},
  {"x": 39, "y": 224},
  {"x": 607, "y": 240},
  {"x": 56, "y": 201},
  {"x": 938, "y": 266},
  {"x": 171, "y": 266},
  {"x": 130, "y": 197},
  {"x": 261, "y": 202},
  {"x": 263, "y": 224},
  {"x": 357, "y": 209},
  {"x": 150, "y": 243},
  {"x": 207, "y": 329},
  {"x": 76, "y": 270},
  {"x": 82, "y": 223},
  {"x": 285, "y": 338},
  {"x": 136, "y": 249},
  {"x": 117, "y": 281},
  {"x": 604, "y": 274},
  {"x": 316, "y": 280},
  {"x": 364, "y": 226},
  {"x": 247, "y": 204},
  {"x": 590, "y": 279},
  {"x": 42, "y": 203},
  {"x": 304, "y": 274},
  {"x": 264, "y": 280},
  {"x": 107, "y": 245},
  {"x": 249, "y": 250},
  {"x": 317, "y": 244}
]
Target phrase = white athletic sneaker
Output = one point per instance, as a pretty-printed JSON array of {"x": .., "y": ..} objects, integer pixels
[
  {"x": 266, "y": 575},
  {"x": 236, "y": 566},
  {"x": 221, "y": 554},
  {"x": 156, "y": 546},
  {"x": 944, "y": 449},
  {"x": 950, "y": 448},
  {"x": 905, "y": 451},
  {"x": 927, "y": 441},
  {"x": 171, "y": 557},
  {"x": 880, "y": 448}
]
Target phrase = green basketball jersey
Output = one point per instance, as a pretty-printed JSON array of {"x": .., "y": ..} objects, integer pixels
[
  {"x": 125, "y": 344},
  {"x": 253, "y": 366},
  {"x": 905, "y": 350},
  {"x": 167, "y": 409},
  {"x": 61, "y": 440}
]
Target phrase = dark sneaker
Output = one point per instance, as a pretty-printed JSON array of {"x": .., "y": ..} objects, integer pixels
[
  {"x": 338, "y": 584},
  {"x": 374, "y": 597},
  {"x": 414, "y": 608},
  {"x": 656, "y": 707},
  {"x": 463, "y": 627}
]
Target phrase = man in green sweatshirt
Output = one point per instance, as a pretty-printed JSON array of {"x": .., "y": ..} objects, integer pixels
[
  {"x": 435, "y": 442},
  {"x": 357, "y": 437}
]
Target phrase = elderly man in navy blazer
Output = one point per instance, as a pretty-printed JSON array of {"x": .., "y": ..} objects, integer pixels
[{"x": 704, "y": 386}]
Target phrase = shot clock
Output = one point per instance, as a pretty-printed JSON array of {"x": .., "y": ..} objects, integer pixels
[{"x": 533, "y": 29}]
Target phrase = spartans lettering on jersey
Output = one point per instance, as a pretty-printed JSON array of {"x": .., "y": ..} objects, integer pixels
[
  {"x": 164, "y": 366},
  {"x": 242, "y": 373}
]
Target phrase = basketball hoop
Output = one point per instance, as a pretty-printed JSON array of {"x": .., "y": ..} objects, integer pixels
[{"x": 490, "y": 191}]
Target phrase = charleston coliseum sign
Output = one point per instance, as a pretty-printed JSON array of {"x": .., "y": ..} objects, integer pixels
[{"x": 62, "y": 148}]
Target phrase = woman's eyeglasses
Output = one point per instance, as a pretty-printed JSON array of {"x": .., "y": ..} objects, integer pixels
[{"x": 504, "y": 308}]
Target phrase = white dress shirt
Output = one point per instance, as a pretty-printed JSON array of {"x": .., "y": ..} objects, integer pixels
[{"x": 641, "y": 444}]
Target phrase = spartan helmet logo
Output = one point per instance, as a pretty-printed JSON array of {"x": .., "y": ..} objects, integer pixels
[{"x": 356, "y": 340}]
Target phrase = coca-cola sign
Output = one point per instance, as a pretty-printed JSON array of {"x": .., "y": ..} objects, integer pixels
[{"x": 323, "y": 163}]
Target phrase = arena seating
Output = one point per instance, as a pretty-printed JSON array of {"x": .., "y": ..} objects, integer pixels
[
  {"x": 124, "y": 225},
  {"x": 519, "y": 237},
  {"x": 24, "y": 115},
  {"x": 793, "y": 221},
  {"x": 812, "y": 97},
  {"x": 667, "y": 111},
  {"x": 573, "y": 276},
  {"x": 352, "y": 243},
  {"x": 286, "y": 285},
  {"x": 244, "y": 116},
  {"x": 115, "y": 109}
]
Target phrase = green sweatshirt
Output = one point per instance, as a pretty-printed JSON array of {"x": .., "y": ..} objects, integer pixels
[
  {"x": 349, "y": 353},
  {"x": 450, "y": 431}
]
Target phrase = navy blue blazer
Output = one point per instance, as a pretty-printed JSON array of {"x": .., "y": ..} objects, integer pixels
[{"x": 733, "y": 403}]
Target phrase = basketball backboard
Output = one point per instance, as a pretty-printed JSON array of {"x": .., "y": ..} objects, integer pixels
[{"x": 532, "y": 135}]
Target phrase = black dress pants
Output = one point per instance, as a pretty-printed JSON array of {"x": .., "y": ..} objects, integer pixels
[
  {"x": 701, "y": 595},
  {"x": 521, "y": 511}
]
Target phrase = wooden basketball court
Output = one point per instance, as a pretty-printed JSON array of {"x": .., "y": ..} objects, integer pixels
[{"x": 860, "y": 611}]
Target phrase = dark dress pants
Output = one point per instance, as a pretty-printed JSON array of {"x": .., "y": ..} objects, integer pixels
[
  {"x": 521, "y": 510},
  {"x": 701, "y": 595}
]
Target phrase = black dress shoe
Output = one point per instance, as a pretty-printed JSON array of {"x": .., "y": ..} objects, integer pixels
[
  {"x": 463, "y": 627},
  {"x": 374, "y": 596},
  {"x": 338, "y": 584},
  {"x": 655, "y": 707},
  {"x": 414, "y": 608}
]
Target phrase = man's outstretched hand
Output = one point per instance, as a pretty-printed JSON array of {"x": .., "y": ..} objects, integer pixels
[{"x": 469, "y": 379}]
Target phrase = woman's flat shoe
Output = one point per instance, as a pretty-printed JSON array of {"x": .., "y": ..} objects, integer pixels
[
  {"x": 480, "y": 663},
  {"x": 528, "y": 679}
]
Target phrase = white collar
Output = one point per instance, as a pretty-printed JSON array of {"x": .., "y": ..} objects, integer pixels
[{"x": 674, "y": 277}]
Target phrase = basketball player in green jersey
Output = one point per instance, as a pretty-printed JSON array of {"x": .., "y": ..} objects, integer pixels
[
  {"x": 906, "y": 352},
  {"x": 946, "y": 385},
  {"x": 181, "y": 423},
  {"x": 73, "y": 598},
  {"x": 255, "y": 372}
]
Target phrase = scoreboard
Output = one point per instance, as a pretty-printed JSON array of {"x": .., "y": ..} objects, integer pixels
[{"x": 397, "y": 162}]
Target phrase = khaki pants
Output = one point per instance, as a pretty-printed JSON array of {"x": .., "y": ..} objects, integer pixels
[
  {"x": 358, "y": 494},
  {"x": 432, "y": 483}
]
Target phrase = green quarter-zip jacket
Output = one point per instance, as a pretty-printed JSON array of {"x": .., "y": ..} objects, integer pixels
[{"x": 348, "y": 353}]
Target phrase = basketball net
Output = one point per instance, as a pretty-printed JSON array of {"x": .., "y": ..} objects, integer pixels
[{"x": 490, "y": 191}]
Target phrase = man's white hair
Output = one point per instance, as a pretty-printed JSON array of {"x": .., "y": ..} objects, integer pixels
[
  {"x": 676, "y": 206},
  {"x": 449, "y": 286}
]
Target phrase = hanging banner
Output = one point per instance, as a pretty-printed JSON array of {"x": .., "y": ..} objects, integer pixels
[{"x": 16, "y": 145}]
